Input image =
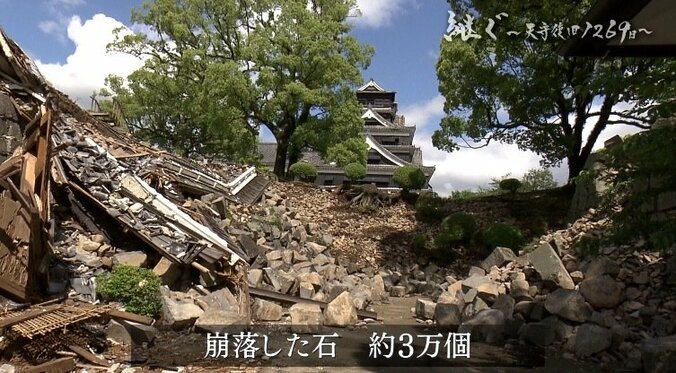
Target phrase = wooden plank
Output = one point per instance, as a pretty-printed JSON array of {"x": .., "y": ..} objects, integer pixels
[
  {"x": 16, "y": 291},
  {"x": 27, "y": 186},
  {"x": 291, "y": 299},
  {"x": 10, "y": 165},
  {"x": 88, "y": 356},
  {"x": 63, "y": 365},
  {"x": 127, "y": 316},
  {"x": 4, "y": 323}
]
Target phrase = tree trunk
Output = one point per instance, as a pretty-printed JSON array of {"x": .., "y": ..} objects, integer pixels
[
  {"x": 280, "y": 158},
  {"x": 575, "y": 166}
]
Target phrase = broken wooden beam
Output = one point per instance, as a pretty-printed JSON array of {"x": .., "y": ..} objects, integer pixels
[
  {"x": 127, "y": 316},
  {"x": 83, "y": 353},
  {"x": 285, "y": 298},
  {"x": 62, "y": 365}
]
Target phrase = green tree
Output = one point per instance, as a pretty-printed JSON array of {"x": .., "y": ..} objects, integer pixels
[
  {"x": 537, "y": 179},
  {"x": 217, "y": 71},
  {"x": 521, "y": 91},
  {"x": 355, "y": 171}
]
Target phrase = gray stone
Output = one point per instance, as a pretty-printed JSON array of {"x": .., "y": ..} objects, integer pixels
[
  {"x": 178, "y": 312},
  {"x": 447, "y": 314},
  {"x": 473, "y": 282},
  {"x": 488, "y": 291},
  {"x": 287, "y": 283},
  {"x": 538, "y": 333},
  {"x": 425, "y": 309},
  {"x": 577, "y": 276},
  {"x": 499, "y": 257},
  {"x": 487, "y": 325},
  {"x": 591, "y": 339},
  {"x": 548, "y": 264},
  {"x": 659, "y": 354},
  {"x": 602, "y": 265},
  {"x": 221, "y": 299},
  {"x": 504, "y": 303},
  {"x": 315, "y": 248},
  {"x": 398, "y": 291},
  {"x": 133, "y": 258},
  {"x": 602, "y": 291},
  {"x": 524, "y": 307},
  {"x": 306, "y": 318},
  {"x": 219, "y": 321},
  {"x": 129, "y": 333},
  {"x": 6, "y": 368},
  {"x": 255, "y": 277},
  {"x": 519, "y": 290},
  {"x": 321, "y": 260},
  {"x": 271, "y": 275},
  {"x": 340, "y": 311},
  {"x": 264, "y": 310},
  {"x": 476, "y": 271},
  {"x": 361, "y": 296},
  {"x": 307, "y": 290},
  {"x": 88, "y": 245},
  {"x": 378, "y": 292},
  {"x": 167, "y": 271},
  {"x": 568, "y": 304}
]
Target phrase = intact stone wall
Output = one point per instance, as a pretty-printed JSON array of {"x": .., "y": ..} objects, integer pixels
[{"x": 588, "y": 192}]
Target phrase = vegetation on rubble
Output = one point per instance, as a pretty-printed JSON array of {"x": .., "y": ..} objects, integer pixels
[
  {"x": 409, "y": 178},
  {"x": 419, "y": 244},
  {"x": 537, "y": 179},
  {"x": 510, "y": 185},
  {"x": 355, "y": 171},
  {"x": 303, "y": 171},
  {"x": 137, "y": 288},
  {"x": 643, "y": 173},
  {"x": 217, "y": 71},
  {"x": 429, "y": 208},
  {"x": 501, "y": 234},
  {"x": 457, "y": 228},
  {"x": 350, "y": 151},
  {"x": 522, "y": 91}
]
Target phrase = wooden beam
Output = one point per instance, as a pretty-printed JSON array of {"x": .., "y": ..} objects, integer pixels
[
  {"x": 88, "y": 356},
  {"x": 122, "y": 315},
  {"x": 5, "y": 323},
  {"x": 63, "y": 365},
  {"x": 12, "y": 289}
]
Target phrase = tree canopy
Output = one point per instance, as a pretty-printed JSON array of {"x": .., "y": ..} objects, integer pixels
[
  {"x": 217, "y": 71},
  {"x": 520, "y": 91}
]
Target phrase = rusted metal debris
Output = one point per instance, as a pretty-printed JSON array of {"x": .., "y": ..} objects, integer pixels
[{"x": 107, "y": 177}]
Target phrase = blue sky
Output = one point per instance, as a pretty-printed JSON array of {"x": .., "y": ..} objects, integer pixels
[{"x": 67, "y": 38}]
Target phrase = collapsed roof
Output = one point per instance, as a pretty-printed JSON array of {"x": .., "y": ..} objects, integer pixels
[{"x": 60, "y": 157}]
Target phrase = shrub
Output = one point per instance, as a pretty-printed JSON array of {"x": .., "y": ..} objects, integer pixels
[
  {"x": 587, "y": 246},
  {"x": 458, "y": 228},
  {"x": 510, "y": 185},
  {"x": 538, "y": 226},
  {"x": 355, "y": 171},
  {"x": 303, "y": 171},
  {"x": 419, "y": 243},
  {"x": 137, "y": 288},
  {"x": 429, "y": 208},
  {"x": 500, "y": 234},
  {"x": 409, "y": 177}
]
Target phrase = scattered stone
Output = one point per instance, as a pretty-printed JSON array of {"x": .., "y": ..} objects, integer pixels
[
  {"x": 548, "y": 264},
  {"x": 577, "y": 276},
  {"x": 476, "y": 271},
  {"x": 307, "y": 290},
  {"x": 499, "y": 257},
  {"x": 659, "y": 354},
  {"x": 487, "y": 325},
  {"x": 6, "y": 368},
  {"x": 591, "y": 339},
  {"x": 425, "y": 309},
  {"x": 568, "y": 304},
  {"x": 255, "y": 277},
  {"x": 602, "y": 265},
  {"x": 177, "y": 312},
  {"x": 305, "y": 318},
  {"x": 642, "y": 278},
  {"x": 167, "y": 271},
  {"x": 538, "y": 333},
  {"x": 602, "y": 291},
  {"x": 505, "y": 304},
  {"x": 264, "y": 310},
  {"x": 447, "y": 314},
  {"x": 219, "y": 321},
  {"x": 398, "y": 291},
  {"x": 519, "y": 290},
  {"x": 340, "y": 311},
  {"x": 133, "y": 258}
]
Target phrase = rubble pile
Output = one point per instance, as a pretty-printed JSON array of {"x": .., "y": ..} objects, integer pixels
[{"x": 617, "y": 306}]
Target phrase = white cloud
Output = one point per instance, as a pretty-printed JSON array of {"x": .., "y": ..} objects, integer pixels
[
  {"x": 58, "y": 11},
  {"x": 424, "y": 114},
  {"x": 379, "y": 13},
  {"x": 87, "y": 67}
]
